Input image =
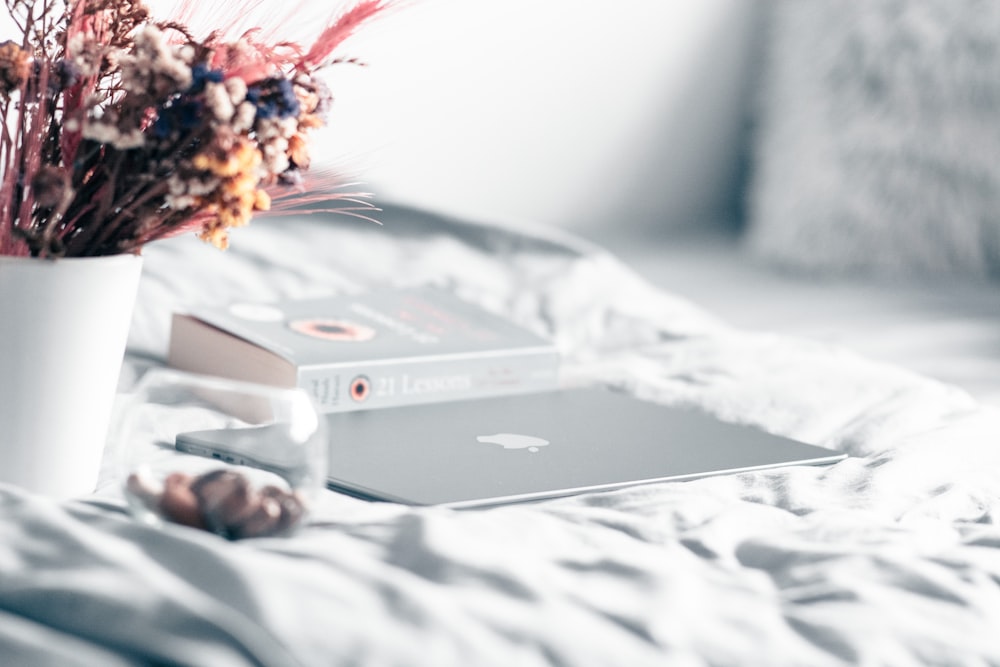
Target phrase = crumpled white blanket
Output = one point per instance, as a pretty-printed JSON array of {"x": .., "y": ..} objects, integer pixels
[{"x": 889, "y": 557}]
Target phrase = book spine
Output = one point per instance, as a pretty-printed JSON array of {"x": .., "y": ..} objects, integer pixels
[{"x": 409, "y": 382}]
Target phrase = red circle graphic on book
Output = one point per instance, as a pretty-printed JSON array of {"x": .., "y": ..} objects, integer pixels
[{"x": 330, "y": 329}]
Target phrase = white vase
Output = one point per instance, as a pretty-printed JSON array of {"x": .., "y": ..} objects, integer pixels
[{"x": 63, "y": 329}]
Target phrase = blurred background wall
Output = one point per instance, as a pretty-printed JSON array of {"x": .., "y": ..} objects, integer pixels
[{"x": 597, "y": 115}]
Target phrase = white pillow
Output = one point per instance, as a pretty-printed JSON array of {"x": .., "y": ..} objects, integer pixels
[{"x": 877, "y": 139}]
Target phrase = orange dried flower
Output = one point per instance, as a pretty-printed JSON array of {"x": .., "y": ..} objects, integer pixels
[
  {"x": 298, "y": 150},
  {"x": 310, "y": 121},
  {"x": 238, "y": 194},
  {"x": 215, "y": 233},
  {"x": 14, "y": 67},
  {"x": 229, "y": 158},
  {"x": 262, "y": 202}
]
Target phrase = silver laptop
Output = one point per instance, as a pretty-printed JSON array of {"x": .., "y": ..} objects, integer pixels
[{"x": 533, "y": 446}]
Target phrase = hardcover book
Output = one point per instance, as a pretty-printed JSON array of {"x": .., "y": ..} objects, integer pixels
[{"x": 380, "y": 349}]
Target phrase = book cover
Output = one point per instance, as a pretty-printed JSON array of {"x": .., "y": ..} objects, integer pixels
[{"x": 379, "y": 349}]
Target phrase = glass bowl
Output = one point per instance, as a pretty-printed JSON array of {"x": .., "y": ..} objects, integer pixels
[{"x": 234, "y": 458}]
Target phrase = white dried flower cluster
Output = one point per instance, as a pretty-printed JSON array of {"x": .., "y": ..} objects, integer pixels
[
  {"x": 273, "y": 135},
  {"x": 106, "y": 132},
  {"x": 237, "y": 89},
  {"x": 185, "y": 192},
  {"x": 155, "y": 65},
  {"x": 243, "y": 119},
  {"x": 245, "y": 112},
  {"x": 85, "y": 54},
  {"x": 218, "y": 101},
  {"x": 228, "y": 103}
]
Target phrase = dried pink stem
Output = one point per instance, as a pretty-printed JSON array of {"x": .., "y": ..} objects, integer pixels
[
  {"x": 114, "y": 197},
  {"x": 344, "y": 27}
]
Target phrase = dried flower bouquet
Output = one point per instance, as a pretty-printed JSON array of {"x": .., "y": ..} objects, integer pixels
[{"x": 118, "y": 129}]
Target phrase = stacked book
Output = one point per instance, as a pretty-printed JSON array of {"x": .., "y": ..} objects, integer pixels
[{"x": 380, "y": 349}]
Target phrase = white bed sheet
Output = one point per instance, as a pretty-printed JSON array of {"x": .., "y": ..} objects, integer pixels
[
  {"x": 890, "y": 557},
  {"x": 945, "y": 329}
]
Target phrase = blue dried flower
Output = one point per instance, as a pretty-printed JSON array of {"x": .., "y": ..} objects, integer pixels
[
  {"x": 177, "y": 117},
  {"x": 201, "y": 74},
  {"x": 274, "y": 97},
  {"x": 64, "y": 74}
]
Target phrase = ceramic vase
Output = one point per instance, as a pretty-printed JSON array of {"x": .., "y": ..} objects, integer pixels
[{"x": 63, "y": 330}]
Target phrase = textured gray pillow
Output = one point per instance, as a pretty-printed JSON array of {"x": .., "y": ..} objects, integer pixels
[{"x": 877, "y": 138}]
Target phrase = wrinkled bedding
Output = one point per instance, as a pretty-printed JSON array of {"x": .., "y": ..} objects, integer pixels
[{"x": 889, "y": 557}]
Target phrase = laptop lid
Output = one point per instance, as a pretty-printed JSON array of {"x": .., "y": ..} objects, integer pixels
[{"x": 532, "y": 446}]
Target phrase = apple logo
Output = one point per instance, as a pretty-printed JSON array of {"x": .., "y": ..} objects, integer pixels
[{"x": 514, "y": 441}]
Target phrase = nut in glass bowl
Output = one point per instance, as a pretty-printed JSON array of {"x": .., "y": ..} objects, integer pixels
[{"x": 238, "y": 459}]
